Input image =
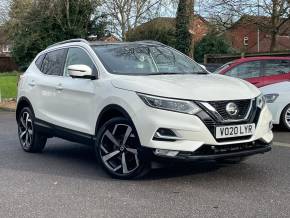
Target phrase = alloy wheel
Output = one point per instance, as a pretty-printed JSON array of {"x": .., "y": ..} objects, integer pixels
[
  {"x": 287, "y": 117},
  {"x": 118, "y": 149},
  {"x": 25, "y": 130}
]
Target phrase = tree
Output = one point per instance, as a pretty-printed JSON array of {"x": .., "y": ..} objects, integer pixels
[
  {"x": 98, "y": 27},
  {"x": 275, "y": 14},
  {"x": 211, "y": 44},
  {"x": 224, "y": 13},
  {"x": 183, "y": 22},
  {"x": 128, "y": 14},
  {"x": 159, "y": 29},
  {"x": 4, "y": 5},
  {"x": 35, "y": 24},
  {"x": 279, "y": 11}
]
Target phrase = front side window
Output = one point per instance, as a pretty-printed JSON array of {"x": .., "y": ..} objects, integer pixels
[
  {"x": 276, "y": 67},
  {"x": 77, "y": 56},
  {"x": 53, "y": 63},
  {"x": 141, "y": 59},
  {"x": 246, "y": 70}
]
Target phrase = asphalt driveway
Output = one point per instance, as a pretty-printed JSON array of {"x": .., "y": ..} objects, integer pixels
[{"x": 65, "y": 181}]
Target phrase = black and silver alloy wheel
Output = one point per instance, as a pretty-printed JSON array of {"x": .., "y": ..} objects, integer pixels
[
  {"x": 118, "y": 149},
  {"x": 25, "y": 130},
  {"x": 285, "y": 117},
  {"x": 30, "y": 139}
]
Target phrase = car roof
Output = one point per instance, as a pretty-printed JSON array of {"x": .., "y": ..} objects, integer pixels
[
  {"x": 95, "y": 43},
  {"x": 247, "y": 59}
]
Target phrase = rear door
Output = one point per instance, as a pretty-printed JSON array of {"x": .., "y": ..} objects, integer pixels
[
  {"x": 250, "y": 71},
  {"x": 275, "y": 70},
  {"x": 47, "y": 86}
]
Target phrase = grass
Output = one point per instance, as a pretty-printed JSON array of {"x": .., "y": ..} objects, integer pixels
[{"x": 8, "y": 84}]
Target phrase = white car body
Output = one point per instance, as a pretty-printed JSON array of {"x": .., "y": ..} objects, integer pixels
[
  {"x": 77, "y": 104},
  {"x": 276, "y": 107}
]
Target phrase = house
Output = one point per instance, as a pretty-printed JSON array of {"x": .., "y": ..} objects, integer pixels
[
  {"x": 199, "y": 28},
  {"x": 108, "y": 38},
  {"x": 6, "y": 61},
  {"x": 243, "y": 35},
  {"x": 5, "y": 46}
]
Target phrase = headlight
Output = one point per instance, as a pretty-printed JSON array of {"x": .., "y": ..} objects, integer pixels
[
  {"x": 261, "y": 101},
  {"x": 180, "y": 106},
  {"x": 270, "y": 98}
]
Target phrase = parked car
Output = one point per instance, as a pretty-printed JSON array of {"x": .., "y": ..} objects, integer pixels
[
  {"x": 278, "y": 98},
  {"x": 137, "y": 103},
  {"x": 259, "y": 71}
]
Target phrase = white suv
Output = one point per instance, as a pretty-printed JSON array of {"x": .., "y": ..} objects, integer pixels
[{"x": 136, "y": 103}]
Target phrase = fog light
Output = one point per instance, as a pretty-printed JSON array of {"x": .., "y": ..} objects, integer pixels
[
  {"x": 163, "y": 134},
  {"x": 164, "y": 152}
]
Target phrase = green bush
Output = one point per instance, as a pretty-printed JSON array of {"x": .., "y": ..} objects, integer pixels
[{"x": 211, "y": 44}]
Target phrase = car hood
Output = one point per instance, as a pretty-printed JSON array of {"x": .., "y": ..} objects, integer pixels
[
  {"x": 276, "y": 88},
  {"x": 209, "y": 87}
]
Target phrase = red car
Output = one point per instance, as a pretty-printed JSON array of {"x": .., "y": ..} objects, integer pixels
[{"x": 259, "y": 71}]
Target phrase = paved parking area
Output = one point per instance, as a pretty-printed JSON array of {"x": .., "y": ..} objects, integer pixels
[{"x": 65, "y": 181}]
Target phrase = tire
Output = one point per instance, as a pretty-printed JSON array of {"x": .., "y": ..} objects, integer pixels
[
  {"x": 285, "y": 117},
  {"x": 119, "y": 151},
  {"x": 30, "y": 140},
  {"x": 235, "y": 160}
]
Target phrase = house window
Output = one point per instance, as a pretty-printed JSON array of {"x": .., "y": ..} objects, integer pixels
[
  {"x": 6, "y": 48},
  {"x": 246, "y": 41}
]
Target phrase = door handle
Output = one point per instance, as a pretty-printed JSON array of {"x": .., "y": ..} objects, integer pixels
[
  {"x": 59, "y": 87},
  {"x": 32, "y": 83}
]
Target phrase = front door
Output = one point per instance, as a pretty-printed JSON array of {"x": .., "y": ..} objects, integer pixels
[{"x": 77, "y": 97}]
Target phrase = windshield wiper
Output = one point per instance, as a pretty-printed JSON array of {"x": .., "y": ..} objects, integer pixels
[{"x": 201, "y": 73}]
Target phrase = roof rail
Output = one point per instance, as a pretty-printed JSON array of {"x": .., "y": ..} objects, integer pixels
[
  {"x": 152, "y": 42},
  {"x": 69, "y": 41}
]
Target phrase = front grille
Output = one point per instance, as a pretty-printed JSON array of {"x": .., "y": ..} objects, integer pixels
[
  {"x": 211, "y": 122},
  {"x": 243, "y": 108}
]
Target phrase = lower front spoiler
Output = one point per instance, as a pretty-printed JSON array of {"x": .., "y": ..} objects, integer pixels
[{"x": 198, "y": 156}]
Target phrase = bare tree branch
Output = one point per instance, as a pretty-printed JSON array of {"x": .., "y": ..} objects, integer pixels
[{"x": 127, "y": 14}]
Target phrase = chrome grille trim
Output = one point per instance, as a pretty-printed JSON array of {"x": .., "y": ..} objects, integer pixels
[{"x": 213, "y": 111}]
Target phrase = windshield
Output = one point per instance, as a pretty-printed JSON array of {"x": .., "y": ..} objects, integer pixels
[{"x": 143, "y": 59}]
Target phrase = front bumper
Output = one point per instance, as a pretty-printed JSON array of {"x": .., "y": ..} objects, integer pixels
[
  {"x": 209, "y": 152},
  {"x": 191, "y": 130}
]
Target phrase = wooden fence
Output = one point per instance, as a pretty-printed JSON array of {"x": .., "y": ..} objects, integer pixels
[
  {"x": 224, "y": 58},
  {"x": 7, "y": 64}
]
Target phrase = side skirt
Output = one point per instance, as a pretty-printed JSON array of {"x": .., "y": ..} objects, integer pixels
[{"x": 52, "y": 130}]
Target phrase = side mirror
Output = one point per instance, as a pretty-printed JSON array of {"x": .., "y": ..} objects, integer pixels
[
  {"x": 203, "y": 67},
  {"x": 80, "y": 71}
]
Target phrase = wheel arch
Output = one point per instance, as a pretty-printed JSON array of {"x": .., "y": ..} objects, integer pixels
[
  {"x": 111, "y": 111},
  {"x": 282, "y": 112},
  {"x": 23, "y": 102}
]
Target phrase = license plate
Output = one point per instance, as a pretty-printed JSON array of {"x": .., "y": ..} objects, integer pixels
[{"x": 235, "y": 131}]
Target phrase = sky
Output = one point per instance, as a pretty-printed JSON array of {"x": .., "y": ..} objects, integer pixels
[{"x": 3, "y": 9}]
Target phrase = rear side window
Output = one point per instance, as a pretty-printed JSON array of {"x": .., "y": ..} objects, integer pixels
[
  {"x": 276, "y": 67},
  {"x": 246, "y": 70},
  {"x": 38, "y": 61},
  {"x": 53, "y": 63}
]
